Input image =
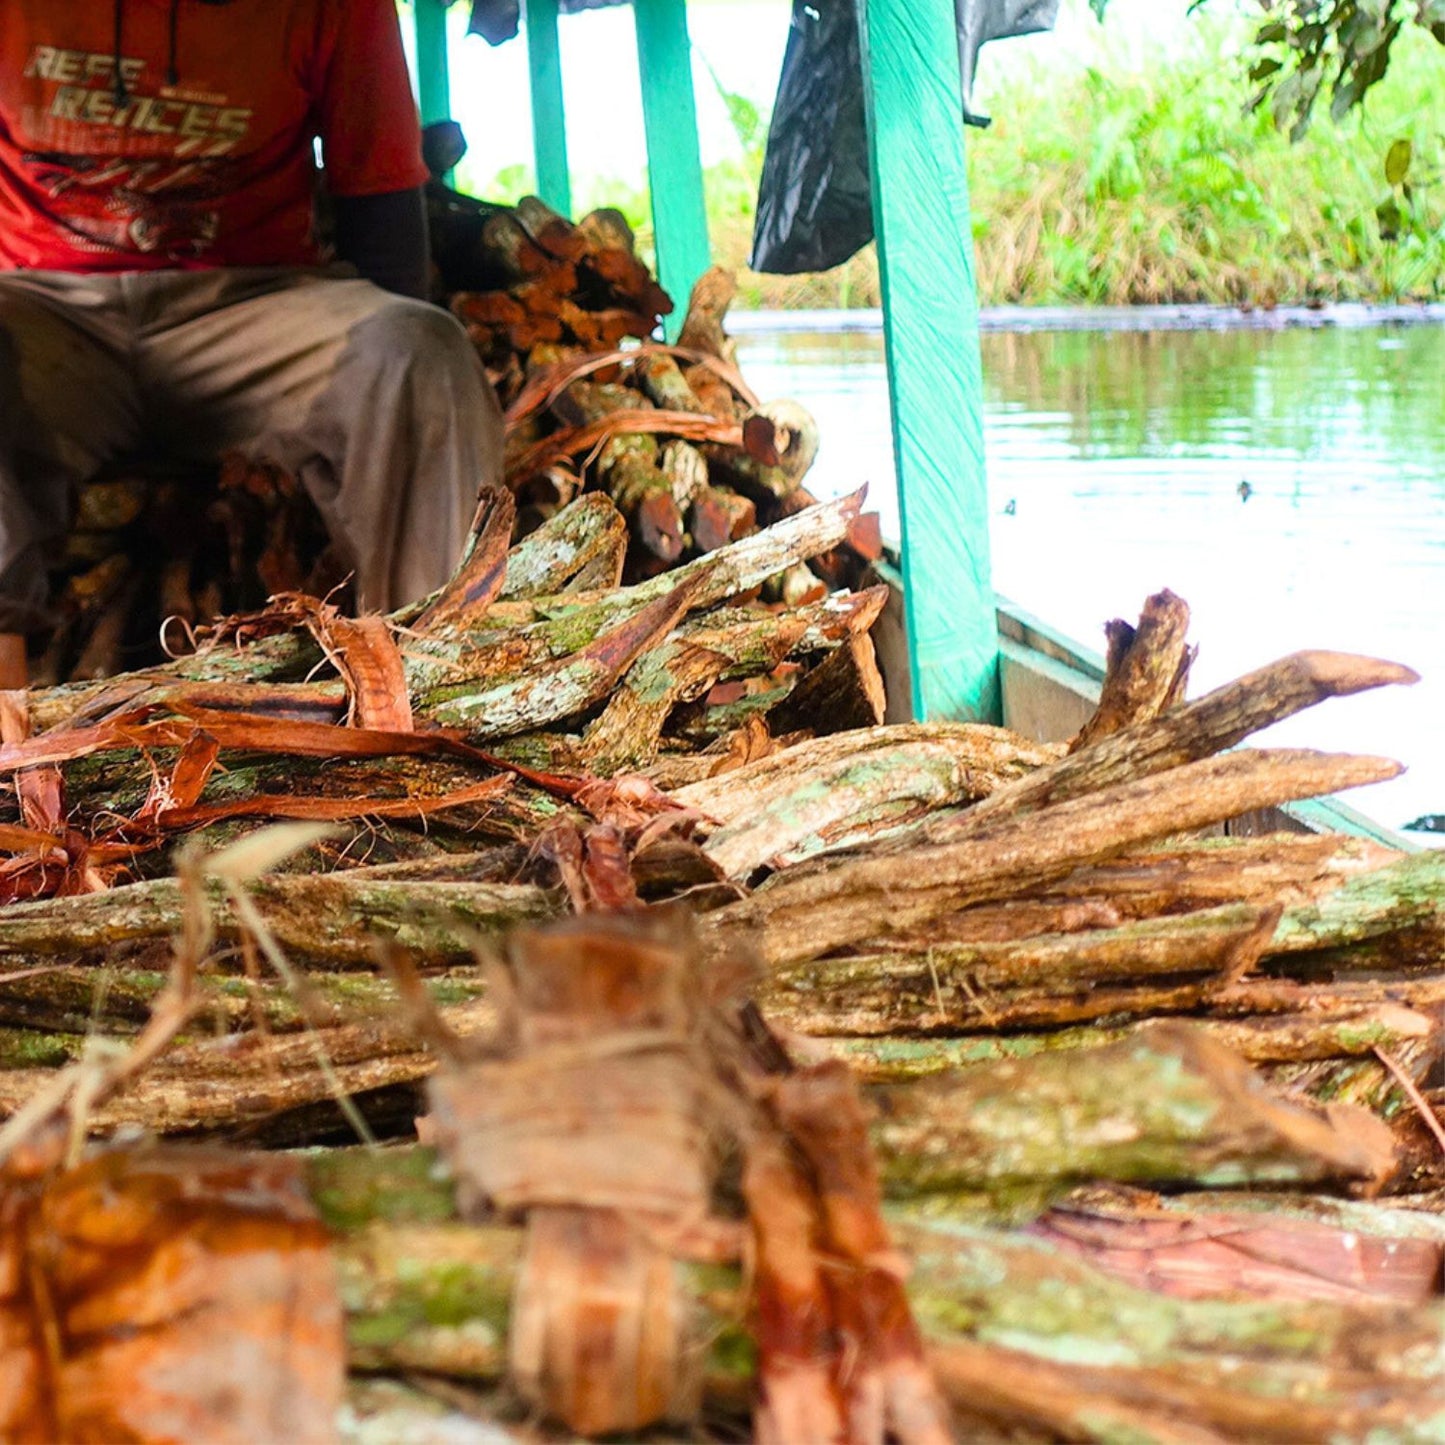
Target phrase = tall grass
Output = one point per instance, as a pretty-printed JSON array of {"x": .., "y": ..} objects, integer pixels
[
  {"x": 1141, "y": 177},
  {"x": 1144, "y": 185}
]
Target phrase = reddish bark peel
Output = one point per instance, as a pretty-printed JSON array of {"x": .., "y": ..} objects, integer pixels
[
  {"x": 323, "y": 810},
  {"x": 479, "y": 576},
  {"x": 580, "y": 441},
  {"x": 799, "y": 1397},
  {"x": 53, "y": 858},
  {"x": 40, "y": 790},
  {"x": 167, "y": 1295},
  {"x": 881, "y": 1375},
  {"x": 248, "y": 732},
  {"x": 1215, "y": 1254},
  {"x": 366, "y": 655},
  {"x": 16, "y": 839},
  {"x": 607, "y": 868},
  {"x": 187, "y": 780}
]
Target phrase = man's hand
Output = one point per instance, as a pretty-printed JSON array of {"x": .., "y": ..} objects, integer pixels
[
  {"x": 385, "y": 238},
  {"x": 14, "y": 671}
]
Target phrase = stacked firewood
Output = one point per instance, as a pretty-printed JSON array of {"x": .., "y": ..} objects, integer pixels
[
  {"x": 1061, "y": 988},
  {"x": 673, "y": 434},
  {"x": 226, "y": 537},
  {"x": 525, "y": 276},
  {"x": 562, "y": 316}
]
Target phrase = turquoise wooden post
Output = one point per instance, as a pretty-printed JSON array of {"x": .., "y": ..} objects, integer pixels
[
  {"x": 674, "y": 164},
  {"x": 433, "y": 83},
  {"x": 549, "y": 115},
  {"x": 930, "y": 311}
]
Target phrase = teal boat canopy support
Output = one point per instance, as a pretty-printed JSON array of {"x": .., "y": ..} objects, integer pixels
[
  {"x": 935, "y": 380},
  {"x": 674, "y": 161},
  {"x": 549, "y": 112},
  {"x": 433, "y": 77}
]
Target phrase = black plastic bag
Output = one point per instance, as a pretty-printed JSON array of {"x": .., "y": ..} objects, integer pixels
[
  {"x": 980, "y": 21},
  {"x": 815, "y": 198},
  {"x": 815, "y": 206}
]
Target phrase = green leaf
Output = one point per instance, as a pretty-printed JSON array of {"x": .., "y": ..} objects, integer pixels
[{"x": 1397, "y": 161}]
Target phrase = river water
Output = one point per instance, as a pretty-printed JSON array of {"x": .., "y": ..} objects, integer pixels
[{"x": 1290, "y": 484}]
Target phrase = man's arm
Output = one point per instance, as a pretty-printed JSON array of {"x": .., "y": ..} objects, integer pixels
[
  {"x": 371, "y": 145},
  {"x": 385, "y": 238}
]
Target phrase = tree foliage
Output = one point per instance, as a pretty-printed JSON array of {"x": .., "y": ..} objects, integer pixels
[{"x": 1306, "y": 48}]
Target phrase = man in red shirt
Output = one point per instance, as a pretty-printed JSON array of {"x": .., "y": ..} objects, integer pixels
[{"x": 160, "y": 280}]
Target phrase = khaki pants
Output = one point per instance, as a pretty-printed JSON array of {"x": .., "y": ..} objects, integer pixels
[{"x": 376, "y": 403}]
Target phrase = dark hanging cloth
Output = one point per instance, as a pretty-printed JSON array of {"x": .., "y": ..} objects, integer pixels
[
  {"x": 815, "y": 199},
  {"x": 497, "y": 21}
]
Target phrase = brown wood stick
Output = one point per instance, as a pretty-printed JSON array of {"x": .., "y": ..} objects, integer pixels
[
  {"x": 1144, "y": 668},
  {"x": 814, "y": 908},
  {"x": 1214, "y": 722}
]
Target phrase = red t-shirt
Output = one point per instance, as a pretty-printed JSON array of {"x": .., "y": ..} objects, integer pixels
[{"x": 205, "y": 157}]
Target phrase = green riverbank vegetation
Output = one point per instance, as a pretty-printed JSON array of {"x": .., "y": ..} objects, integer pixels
[{"x": 1137, "y": 174}]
